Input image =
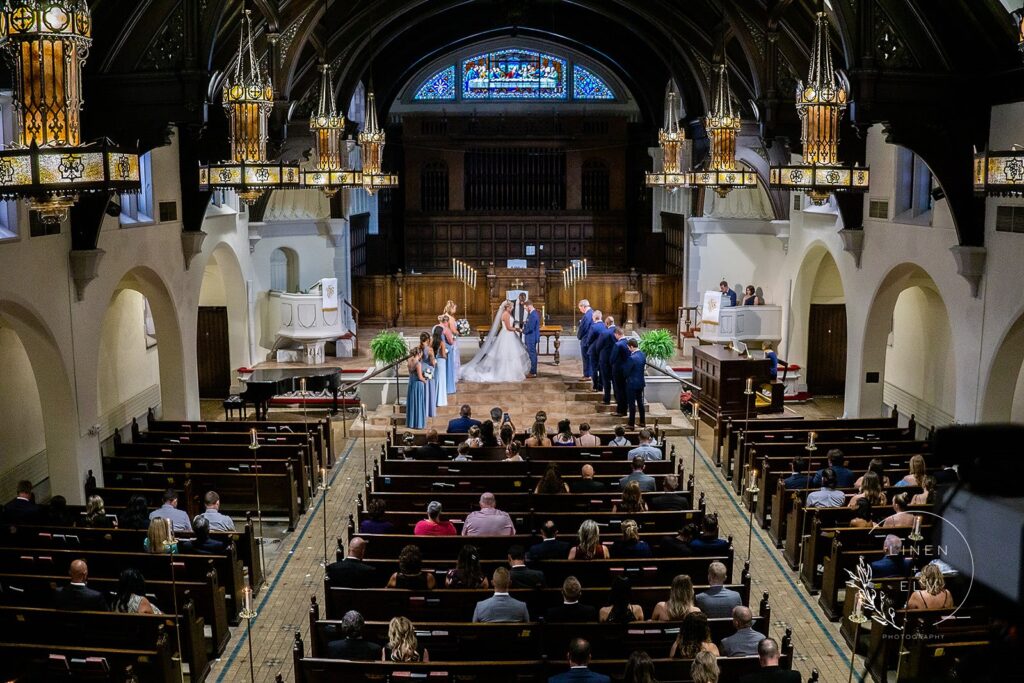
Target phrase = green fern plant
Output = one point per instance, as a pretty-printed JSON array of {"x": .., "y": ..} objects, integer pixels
[
  {"x": 387, "y": 347},
  {"x": 657, "y": 344}
]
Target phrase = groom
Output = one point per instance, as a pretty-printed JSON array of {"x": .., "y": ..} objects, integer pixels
[{"x": 531, "y": 335}]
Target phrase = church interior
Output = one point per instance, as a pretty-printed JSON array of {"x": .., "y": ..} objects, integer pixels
[{"x": 510, "y": 341}]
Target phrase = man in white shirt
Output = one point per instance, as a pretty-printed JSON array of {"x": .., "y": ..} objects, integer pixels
[{"x": 218, "y": 522}]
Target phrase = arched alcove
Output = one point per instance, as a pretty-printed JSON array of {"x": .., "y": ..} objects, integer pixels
[
  {"x": 284, "y": 270},
  {"x": 1003, "y": 393},
  {"x": 222, "y": 329},
  {"x": 817, "y": 323}
]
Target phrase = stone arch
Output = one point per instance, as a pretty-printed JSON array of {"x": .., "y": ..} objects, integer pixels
[
  {"x": 1002, "y": 395},
  {"x": 223, "y": 284},
  {"x": 816, "y": 259},
  {"x": 284, "y": 270}
]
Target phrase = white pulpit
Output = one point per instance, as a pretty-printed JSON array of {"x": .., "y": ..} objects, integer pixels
[
  {"x": 307, "y": 319},
  {"x": 748, "y": 324}
]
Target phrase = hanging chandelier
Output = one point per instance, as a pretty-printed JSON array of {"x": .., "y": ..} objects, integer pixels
[
  {"x": 47, "y": 42},
  {"x": 248, "y": 98},
  {"x": 328, "y": 127},
  {"x": 722, "y": 127},
  {"x": 820, "y": 104},
  {"x": 670, "y": 139},
  {"x": 1000, "y": 172},
  {"x": 371, "y": 140}
]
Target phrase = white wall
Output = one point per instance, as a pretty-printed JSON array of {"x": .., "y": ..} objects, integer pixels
[
  {"x": 19, "y": 405},
  {"x": 740, "y": 260},
  {"x": 212, "y": 291},
  {"x": 126, "y": 367},
  {"x": 828, "y": 285}
]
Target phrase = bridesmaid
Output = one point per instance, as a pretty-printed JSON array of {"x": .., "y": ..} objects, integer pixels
[
  {"x": 450, "y": 308},
  {"x": 429, "y": 360},
  {"x": 416, "y": 396},
  {"x": 441, "y": 371},
  {"x": 451, "y": 352}
]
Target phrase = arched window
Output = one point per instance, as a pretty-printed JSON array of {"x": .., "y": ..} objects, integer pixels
[
  {"x": 357, "y": 105},
  {"x": 284, "y": 270},
  {"x": 440, "y": 86},
  {"x": 595, "y": 185},
  {"x": 434, "y": 186}
]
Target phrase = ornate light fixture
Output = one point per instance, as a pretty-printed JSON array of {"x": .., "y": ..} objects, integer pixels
[
  {"x": 670, "y": 139},
  {"x": 328, "y": 127},
  {"x": 248, "y": 98},
  {"x": 820, "y": 104},
  {"x": 722, "y": 126},
  {"x": 1000, "y": 172},
  {"x": 47, "y": 42},
  {"x": 371, "y": 140}
]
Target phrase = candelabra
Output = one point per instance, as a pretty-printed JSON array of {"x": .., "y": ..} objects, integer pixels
[
  {"x": 573, "y": 273},
  {"x": 466, "y": 274},
  {"x": 248, "y": 614},
  {"x": 254, "y": 446}
]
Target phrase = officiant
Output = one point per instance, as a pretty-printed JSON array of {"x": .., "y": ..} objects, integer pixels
[{"x": 519, "y": 312}]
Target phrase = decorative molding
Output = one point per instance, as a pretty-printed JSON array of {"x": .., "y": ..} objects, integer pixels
[
  {"x": 782, "y": 232},
  {"x": 890, "y": 49},
  {"x": 166, "y": 49},
  {"x": 85, "y": 264},
  {"x": 756, "y": 33},
  {"x": 191, "y": 245},
  {"x": 254, "y": 235},
  {"x": 970, "y": 265},
  {"x": 853, "y": 242},
  {"x": 287, "y": 36}
]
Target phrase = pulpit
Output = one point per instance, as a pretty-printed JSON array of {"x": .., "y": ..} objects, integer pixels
[{"x": 631, "y": 298}]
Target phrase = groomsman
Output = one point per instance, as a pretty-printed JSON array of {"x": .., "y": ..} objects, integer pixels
[
  {"x": 620, "y": 363},
  {"x": 604, "y": 354},
  {"x": 597, "y": 328},
  {"x": 635, "y": 383},
  {"x": 582, "y": 330},
  {"x": 531, "y": 336}
]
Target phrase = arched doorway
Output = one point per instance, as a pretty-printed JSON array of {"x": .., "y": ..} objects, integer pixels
[
  {"x": 817, "y": 322},
  {"x": 1003, "y": 400},
  {"x": 222, "y": 328}
]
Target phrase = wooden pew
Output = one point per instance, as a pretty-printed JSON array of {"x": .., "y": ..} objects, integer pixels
[
  {"x": 579, "y": 454},
  {"x": 896, "y": 588},
  {"x": 453, "y": 439},
  {"x": 496, "y": 483},
  {"x": 29, "y": 662},
  {"x": 464, "y": 502},
  {"x": 929, "y": 645},
  {"x": 622, "y": 467}
]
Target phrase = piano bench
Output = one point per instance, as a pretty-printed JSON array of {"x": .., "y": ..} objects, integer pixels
[{"x": 233, "y": 403}]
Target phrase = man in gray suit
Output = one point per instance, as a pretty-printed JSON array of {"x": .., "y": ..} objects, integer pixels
[
  {"x": 745, "y": 641},
  {"x": 501, "y": 607},
  {"x": 717, "y": 601},
  {"x": 647, "y": 482}
]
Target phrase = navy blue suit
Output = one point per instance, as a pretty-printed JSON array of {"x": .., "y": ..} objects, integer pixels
[
  {"x": 461, "y": 425},
  {"x": 581, "y": 333},
  {"x": 620, "y": 358},
  {"x": 580, "y": 675},
  {"x": 605, "y": 344},
  {"x": 635, "y": 384},
  {"x": 597, "y": 329},
  {"x": 531, "y": 337}
]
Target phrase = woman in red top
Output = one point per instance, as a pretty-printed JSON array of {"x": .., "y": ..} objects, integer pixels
[{"x": 433, "y": 525}]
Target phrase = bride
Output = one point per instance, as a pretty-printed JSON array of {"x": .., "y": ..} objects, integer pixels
[{"x": 503, "y": 357}]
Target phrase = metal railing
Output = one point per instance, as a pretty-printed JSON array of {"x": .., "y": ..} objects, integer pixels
[{"x": 355, "y": 320}]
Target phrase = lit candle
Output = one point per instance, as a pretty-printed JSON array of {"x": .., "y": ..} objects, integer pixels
[
  {"x": 248, "y": 599},
  {"x": 696, "y": 408},
  {"x": 302, "y": 386},
  {"x": 584, "y": 267},
  {"x": 362, "y": 410},
  {"x": 858, "y": 604},
  {"x": 252, "y": 437},
  {"x": 811, "y": 436},
  {"x": 750, "y": 384},
  {"x": 753, "y": 479},
  {"x": 917, "y": 525},
  {"x": 323, "y": 474},
  {"x": 170, "y": 530}
]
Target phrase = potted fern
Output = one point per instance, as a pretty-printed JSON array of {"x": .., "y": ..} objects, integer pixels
[
  {"x": 658, "y": 346},
  {"x": 386, "y": 348}
]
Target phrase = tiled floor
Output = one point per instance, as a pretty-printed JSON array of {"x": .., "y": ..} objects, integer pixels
[{"x": 295, "y": 572}]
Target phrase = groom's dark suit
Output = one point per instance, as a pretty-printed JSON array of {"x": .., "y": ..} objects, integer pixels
[{"x": 531, "y": 337}]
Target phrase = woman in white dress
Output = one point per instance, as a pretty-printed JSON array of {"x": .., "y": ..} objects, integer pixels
[{"x": 503, "y": 357}]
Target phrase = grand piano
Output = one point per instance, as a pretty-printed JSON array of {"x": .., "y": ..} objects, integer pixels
[{"x": 263, "y": 385}]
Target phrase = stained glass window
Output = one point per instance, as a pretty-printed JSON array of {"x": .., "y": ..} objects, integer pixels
[
  {"x": 514, "y": 74},
  {"x": 587, "y": 86},
  {"x": 440, "y": 86}
]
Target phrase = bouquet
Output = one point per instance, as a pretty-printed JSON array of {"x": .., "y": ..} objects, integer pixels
[
  {"x": 462, "y": 327},
  {"x": 428, "y": 372}
]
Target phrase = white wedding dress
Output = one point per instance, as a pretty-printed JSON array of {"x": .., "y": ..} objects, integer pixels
[{"x": 502, "y": 358}]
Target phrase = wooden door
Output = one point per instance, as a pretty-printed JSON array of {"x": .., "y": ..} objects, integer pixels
[
  {"x": 212, "y": 355},
  {"x": 826, "y": 350}
]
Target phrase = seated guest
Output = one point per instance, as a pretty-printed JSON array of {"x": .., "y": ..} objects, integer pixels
[
  {"x": 467, "y": 572},
  {"x": 159, "y": 538},
  {"x": 474, "y": 440},
  {"x": 744, "y": 641},
  {"x": 717, "y": 601},
  {"x": 512, "y": 452},
  {"x": 96, "y": 515},
  {"x": 586, "y": 483},
  {"x": 506, "y": 436},
  {"x": 488, "y": 437},
  {"x": 672, "y": 499},
  {"x": 646, "y": 449},
  {"x": 410, "y": 574},
  {"x": 799, "y": 479},
  {"x": 432, "y": 449},
  {"x": 588, "y": 543},
  {"x": 704, "y": 668},
  {"x": 551, "y": 482},
  {"x": 679, "y": 603},
  {"x": 77, "y": 596},
  {"x": 579, "y": 663},
  {"x": 496, "y": 422},
  {"x": 564, "y": 436},
  {"x": 462, "y": 452},
  {"x": 620, "y": 437},
  {"x": 771, "y": 672},
  {"x": 630, "y": 546},
  {"x": 550, "y": 547},
  {"x": 917, "y": 471},
  {"x": 750, "y": 297},
  {"x": 571, "y": 610},
  {"x": 520, "y": 575},
  {"x": 57, "y": 513},
  {"x": 135, "y": 515},
  {"x": 402, "y": 644},
  {"x": 351, "y": 645},
  {"x": 708, "y": 543},
  {"x": 22, "y": 509},
  {"x": 933, "y": 593},
  {"x": 538, "y": 436},
  {"x": 542, "y": 417},
  {"x": 632, "y": 499},
  {"x": 639, "y": 668},
  {"x": 893, "y": 564},
  {"x": 843, "y": 476},
  {"x": 488, "y": 520},
  {"x": 169, "y": 510},
  {"x": 826, "y": 496},
  {"x": 877, "y": 465},
  {"x": 926, "y": 497},
  {"x": 463, "y": 422},
  {"x": 694, "y": 637},
  {"x": 647, "y": 482},
  {"x": 376, "y": 524},
  {"x": 870, "y": 489},
  {"x": 621, "y": 610},
  {"x": 900, "y": 516},
  {"x": 202, "y": 544},
  {"x": 352, "y": 572},
  {"x": 433, "y": 525},
  {"x": 864, "y": 515},
  {"x": 500, "y": 607},
  {"x": 131, "y": 594},
  {"x": 586, "y": 438},
  {"x": 678, "y": 545},
  {"x": 218, "y": 522}
]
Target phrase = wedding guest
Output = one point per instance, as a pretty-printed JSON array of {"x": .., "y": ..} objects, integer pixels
[
  {"x": 864, "y": 515},
  {"x": 620, "y": 437},
  {"x": 678, "y": 545},
  {"x": 352, "y": 645},
  {"x": 672, "y": 497},
  {"x": 23, "y": 508},
  {"x": 77, "y": 596},
  {"x": 488, "y": 520},
  {"x": 159, "y": 539},
  {"x": 520, "y": 575},
  {"x": 588, "y": 543},
  {"x": 844, "y": 478},
  {"x": 704, "y": 668},
  {"x": 679, "y": 603},
  {"x": 571, "y": 610},
  {"x": 507, "y": 435},
  {"x": 135, "y": 515},
  {"x": 430, "y": 373},
  {"x": 717, "y": 600},
  {"x": 927, "y": 496},
  {"x": 933, "y": 593},
  {"x": 694, "y": 637},
  {"x": 870, "y": 489},
  {"x": 744, "y": 642},
  {"x": 169, "y": 510},
  {"x": 632, "y": 499},
  {"x": 877, "y": 465},
  {"x": 500, "y": 607},
  {"x": 708, "y": 544},
  {"x": 467, "y": 572},
  {"x": 463, "y": 422},
  {"x": 433, "y": 525},
  {"x": 475, "y": 440},
  {"x": 582, "y": 332},
  {"x": 432, "y": 449},
  {"x": 900, "y": 516},
  {"x": 512, "y": 452},
  {"x": 201, "y": 543},
  {"x": 538, "y": 436},
  {"x": 462, "y": 452},
  {"x": 639, "y": 668},
  {"x": 635, "y": 383},
  {"x": 131, "y": 594},
  {"x": 57, "y": 513},
  {"x": 217, "y": 520},
  {"x": 352, "y": 571},
  {"x": 826, "y": 496},
  {"x": 96, "y": 515},
  {"x": 564, "y": 436},
  {"x": 496, "y": 422},
  {"x": 416, "y": 394},
  {"x": 579, "y": 665},
  {"x": 551, "y": 482},
  {"x": 586, "y": 438},
  {"x": 440, "y": 351},
  {"x": 550, "y": 546},
  {"x": 647, "y": 482},
  {"x": 770, "y": 671},
  {"x": 893, "y": 564},
  {"x": 917, "y": 471},
  {"x": 620, "y": 610},
  {"x": 410, "y": 574},
  {"x": 750, "y": 297},
  {"x": 798, "y": 478},
  {"x": 375, "y": 523},
  {"x": 586, "y": 483},
  {"x": 630, "y": 546},
  {"x": 487, "y": 435},
  {"x": 402, "y": 644}
]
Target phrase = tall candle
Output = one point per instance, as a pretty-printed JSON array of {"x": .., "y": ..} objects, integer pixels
[
  {"x": 811, "y": 436},
  {"x": 170, "y": 530},
  {"x": 750, "y": 384},
  {"x": 248, "y": 599},
  {"x": 917, "y": 525},
  {"x": 252, "y": 437},
  {"x": 584, "y": 267},
  {"x": 753, "y": 479},
  {"x": 362, "y": 410},
  {"x": 302, "y": 386},
  {"x": 453, "y": 267},
  {"x": 858, "y": 604}
]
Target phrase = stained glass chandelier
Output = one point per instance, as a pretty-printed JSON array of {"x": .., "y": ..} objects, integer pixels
[
  {"x": 328, "y": 127},
  {"x": 1000, "y": 172},
  {"x": 820, "y": 104},
  {"x": 670, "y": 139},
  {"x": 722, "y": 127},
  {"x": 47, "y": 42},
  {"x": 371, "y": 140},
  {"x": 248, "y": 98}
]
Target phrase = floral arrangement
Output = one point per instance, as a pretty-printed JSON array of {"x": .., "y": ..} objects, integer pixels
[
  {"x": 657, "y": 344},
  {"x": 388, "y": 347},
  {"x": 462, "y": 327}
]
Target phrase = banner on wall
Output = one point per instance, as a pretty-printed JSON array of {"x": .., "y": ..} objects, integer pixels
[
  {"x": 329, "y": 292},
  {"x": 712, "y": 307}
]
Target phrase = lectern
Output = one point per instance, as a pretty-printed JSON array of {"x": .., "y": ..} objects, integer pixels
[{"x": 631, "y": 298}]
